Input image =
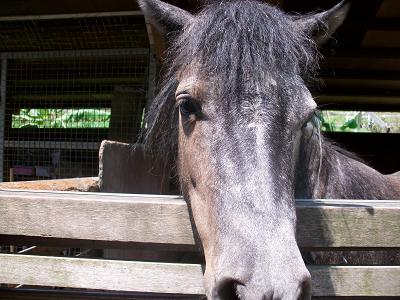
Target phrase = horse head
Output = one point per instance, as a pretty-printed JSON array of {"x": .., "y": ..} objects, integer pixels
[{"x": 233, "y": 105}]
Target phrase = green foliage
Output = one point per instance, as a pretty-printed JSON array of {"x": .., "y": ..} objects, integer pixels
[
  {"x": 351, "y": 121},
  {"x": 62, "y": 118},
  {"x": 342, "y": 122}
]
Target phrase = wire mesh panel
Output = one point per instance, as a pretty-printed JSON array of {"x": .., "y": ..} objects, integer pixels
[
  {"x": 68, "y": 84},
  {"x": 60, "y": 109},
  {"x": 83, "y": 80}
]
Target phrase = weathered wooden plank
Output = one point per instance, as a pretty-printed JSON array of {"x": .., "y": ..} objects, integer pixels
[
  {"x": 91, "y": 216},
  {"x": 179, "y": 278},
  {"x": 101, "y": 274},
  {"x": 361, "y": 63},
  {"x": 86, "y": 184},
  {"x": 355, "y": 281},
  {"x": 358, "y": 99},
  {"x": 348, "y": 223},
  {"x": 165, "y": 219},
  {"x": 91, "y": 244},
  {"x": 24, "y": 293},
  {"x": 124, "y": 168},
  {"x": 338, "y": 84},
  {"x": 382, "y": 39}
]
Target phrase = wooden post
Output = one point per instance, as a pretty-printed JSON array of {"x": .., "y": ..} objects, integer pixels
[{"x": 11, "y": 174}]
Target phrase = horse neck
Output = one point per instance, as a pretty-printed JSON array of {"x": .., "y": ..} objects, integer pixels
[{"x": 325, "y": 171}]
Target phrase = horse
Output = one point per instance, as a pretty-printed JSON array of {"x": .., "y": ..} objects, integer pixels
[{"x": 235, "y": 112}]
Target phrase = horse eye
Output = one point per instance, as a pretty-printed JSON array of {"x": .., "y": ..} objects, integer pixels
[{"x": 188, "y": 107}]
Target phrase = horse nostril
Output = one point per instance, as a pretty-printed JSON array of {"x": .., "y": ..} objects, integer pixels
[
  {"x": 268, "y": 296},
  {"x": 227, "y": 289},
  {"x": 305, "y": 290}
]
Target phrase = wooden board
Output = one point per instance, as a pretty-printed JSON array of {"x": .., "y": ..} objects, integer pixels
[
  {"x": 127, "y": 168},
  {"x": 348, "y": 223},
  {"x": 355, "y": 280},
  {"x": 381, "y": 38},
  {"x": 25, "y": 293},
  {"x": 389, "y": 9},
  {"x": 101, "y": 274},
  {"x": 86, "y": 184},
  {"x": 362, "y": 83},
  {"x": 91, "y": 216},
  {"x": 178, "y": 278},
  {"x": 363, "y": 63},
  {"x": 165, "y": 219},
  {"x": 358, "y": 99}
]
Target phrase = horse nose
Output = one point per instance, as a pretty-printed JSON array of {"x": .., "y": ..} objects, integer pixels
[
  {"x": 304, "y": 290},
  {"x": 232, "y": 289},
  {"x": 226, "y": 289}
]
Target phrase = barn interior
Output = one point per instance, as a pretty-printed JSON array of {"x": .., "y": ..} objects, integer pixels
[{"x": 94, "y": 63}]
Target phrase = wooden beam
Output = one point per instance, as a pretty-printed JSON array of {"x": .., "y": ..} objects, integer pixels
[
  {"x": 348, "y": 223},
  {"x": 178, "y": 278},
  {"x": 101, "y": 274},
  {"x": 368, "y": 52},
  {"x": 382, "y": 24},
  {"x": 35, "y": 293},
  {"x": 360, "y": 63},
  {"x": 389, "y": 9},
  {"x": 362, "y": 100},
  {"x": 165, "y": 219},
  {"x": 362, "y": 60},
  {"x": 385, "y": 24},
  {"x": 362, "y": 84},
  {"x": 381, "y": 38},
  {"x": 103, "y": 217},
  {"x": 87, "y": 184},
  {"x": 356, "y": 281},
  {"x": 391, "y": 102}
]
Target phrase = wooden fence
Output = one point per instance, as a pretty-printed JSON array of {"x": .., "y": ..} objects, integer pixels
[{"x": 162, "y": 222}]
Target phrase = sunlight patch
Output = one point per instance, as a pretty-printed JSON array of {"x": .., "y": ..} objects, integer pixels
[{"x": 360, "y": 121}]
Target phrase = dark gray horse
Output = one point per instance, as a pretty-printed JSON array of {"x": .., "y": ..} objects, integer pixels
[{"x": 235, "y": 111}]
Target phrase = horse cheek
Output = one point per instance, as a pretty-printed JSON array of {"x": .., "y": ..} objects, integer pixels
[{"x": 196, "y": 175}]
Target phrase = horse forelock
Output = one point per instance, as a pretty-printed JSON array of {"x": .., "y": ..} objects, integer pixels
[{"x": 230, "y": 42}]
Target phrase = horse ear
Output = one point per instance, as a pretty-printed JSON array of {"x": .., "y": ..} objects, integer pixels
[
  {"x": 323, "y": 25},
  {"x": 165, "y": 17}
]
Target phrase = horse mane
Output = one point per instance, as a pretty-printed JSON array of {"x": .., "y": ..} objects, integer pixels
[{"x": 229, "y": 41}]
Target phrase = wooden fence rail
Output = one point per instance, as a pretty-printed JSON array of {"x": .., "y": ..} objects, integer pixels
[
  {"x": 165, "y": 219},
  {"x": 163, "y": 222}
]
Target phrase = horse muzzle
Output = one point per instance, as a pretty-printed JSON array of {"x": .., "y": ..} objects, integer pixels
[
  {"x": 258, "y": 272},
  {"x": 231, "y": 289}
]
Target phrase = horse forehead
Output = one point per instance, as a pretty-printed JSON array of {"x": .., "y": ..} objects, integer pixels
[
  {"x": 194, "y": 81},
  {"x": 255, "y": 90}
]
